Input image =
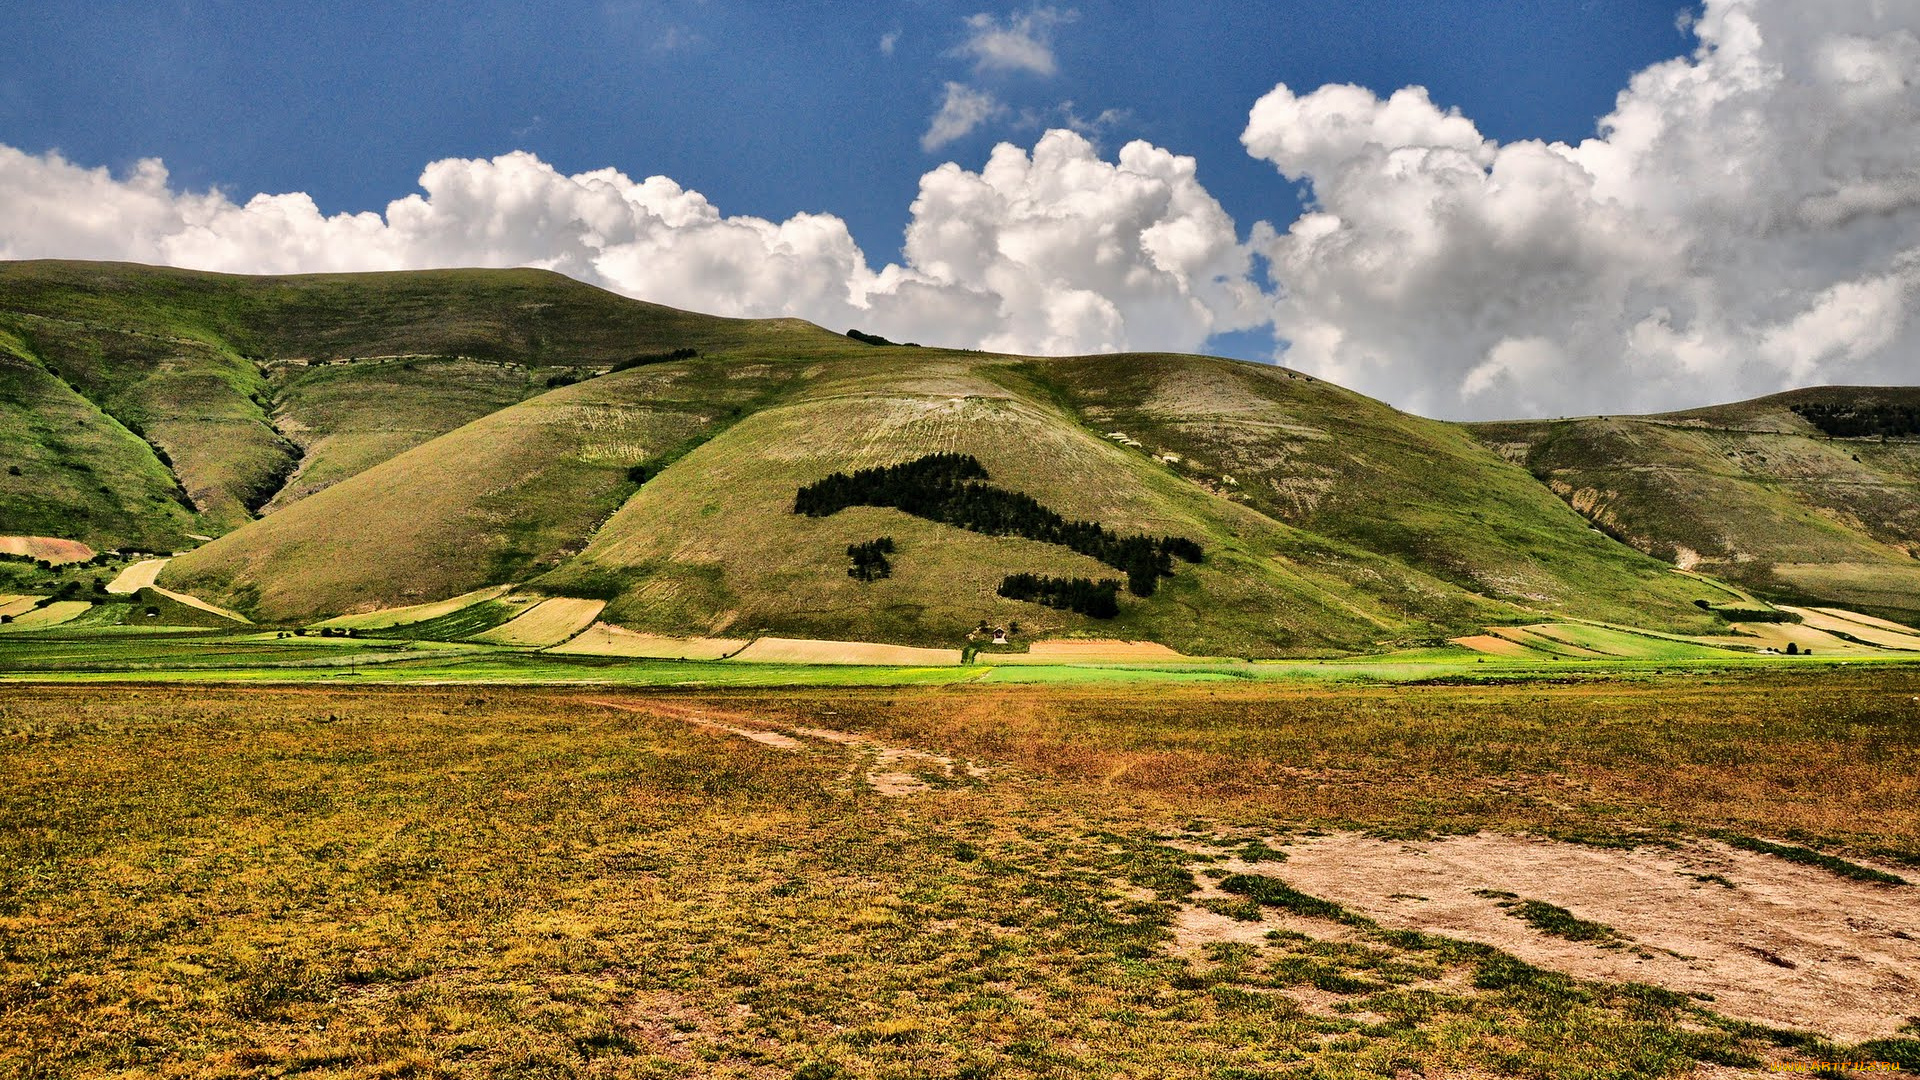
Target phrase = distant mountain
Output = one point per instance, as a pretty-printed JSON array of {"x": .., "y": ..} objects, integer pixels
[
  {"x": 1758, "y": 492},
  {"x": 358, "y": 442}
]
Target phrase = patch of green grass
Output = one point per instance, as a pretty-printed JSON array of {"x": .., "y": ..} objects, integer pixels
[
  {"x": 1274, "y": 893},
  {"x": 1809, "y": 857},
  {"x": 1238, "y": 910},
  {"x": 1258, "y": 851},
  {"x": 1557, "y": 921}
]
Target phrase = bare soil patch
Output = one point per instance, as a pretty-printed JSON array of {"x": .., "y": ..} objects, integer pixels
[
  {"x": 1781, "y": 944},
  {"x": 60, "y": 611},
  {"x": 888, "y": 770},
  {"x": 1845, "y": 622},
  {"x": 51, "y": 548},
  {"x": 709, "y": 718},
  {"x": 1093, "y": 651},
  {"x": 12, "y": 604},
  {"x": 774, "y": 650},
  {"x": 1868, "y": 620},
  {"x": 196, "y": 602},
  {"x": 1494, "y": 646},
  {"x": 415, "y": 613}
]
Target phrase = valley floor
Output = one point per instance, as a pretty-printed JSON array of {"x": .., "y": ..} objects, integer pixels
[{"x": 1653, "y": 873}]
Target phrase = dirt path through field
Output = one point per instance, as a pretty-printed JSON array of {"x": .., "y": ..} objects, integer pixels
[
  {"x": 889, "y": 770},
  {"x": 1752, "y": 936},
  {"x": 145, "y": 574}
]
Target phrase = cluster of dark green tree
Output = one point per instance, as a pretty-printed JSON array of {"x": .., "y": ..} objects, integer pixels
[
  {"x": 1082, "y": 596},
  {"x": 1853, "y": 421},
  {"x": 870, "y": 562},
  {"x": 876, "y": 339},
  {"x": 947, "y": 488}
]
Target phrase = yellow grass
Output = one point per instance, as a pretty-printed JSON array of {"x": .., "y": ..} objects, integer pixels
[
  {"x": 1867, "y": 620},
  {"x": 52, "y": 615},
  {"x": 602, "y": 639},
  {"x": 1091, "y": 651},
  {"x": 1540, "y": 636},
  {"x": 139, "y": 576},
  {"x": 1779, "y": 635},
  {"x": 51, "y": 548},
  {"x": 1845, "y": 622},
  {"x": 775, "y": 650},
  {"x": 196, "y": 602},
  {"x": 1494, "y": 645},
  {"x": 549, "y": 622},
  {"x": 403, "y": 616},
  {"x": 17, "y": 605}
]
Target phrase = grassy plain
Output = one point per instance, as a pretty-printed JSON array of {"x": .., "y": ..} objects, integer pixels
[{"x": 487, "y": 881}]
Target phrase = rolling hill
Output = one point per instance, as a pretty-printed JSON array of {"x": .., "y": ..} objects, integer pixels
[
  {"x": 357, "y": 443},
  {"x": 1755, "y": 492},
  {"x": 252, "y": 391}
]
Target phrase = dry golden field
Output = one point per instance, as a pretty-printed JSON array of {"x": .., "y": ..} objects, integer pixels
[{"x": 960, "y": 881}]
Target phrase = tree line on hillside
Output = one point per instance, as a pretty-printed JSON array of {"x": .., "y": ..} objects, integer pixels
[
  {"x": 949, "y": 488},
  {"x": 876, "y": 339},
  {"x": 1853, "y": 421},
  {"x": 1082, "y": 596}
]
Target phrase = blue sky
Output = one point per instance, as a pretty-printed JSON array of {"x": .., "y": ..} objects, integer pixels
[
  {"x": 767, "y": 108},
  {"x": 1468, "y": 209}
]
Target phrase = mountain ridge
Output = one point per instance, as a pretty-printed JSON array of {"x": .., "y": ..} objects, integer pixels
[{"x": 429, "y": 434}]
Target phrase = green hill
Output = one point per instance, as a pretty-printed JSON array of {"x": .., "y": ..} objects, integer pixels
[
  {"x": 1421, "y": 492},
  {"x": 713, "y": 544},
  {"x": 362, "y": 442},
  {"x": 253, "y": 391},
  {"x": 500, "y": 499},
  {"x": 1754, "y": 492}
]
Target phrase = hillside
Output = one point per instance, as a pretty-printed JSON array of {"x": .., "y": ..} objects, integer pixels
[
  {"x": 500, "y": 499},
  {"x": 253, "y": 391},
  {"x": 1754, "y": 492},
  {"x": 714, "y": 544},
  {"x": 1325, "y": 459},
  {"x": 358, "y": 443}
]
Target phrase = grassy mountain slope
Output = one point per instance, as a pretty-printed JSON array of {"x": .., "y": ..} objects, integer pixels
[
  {"x": 713, "y": 544},
  {"x": 348, "y": 417},
  {"x": 1751, "y": 492},
  {"x": 412, "y": 437},
  {"x": 67, "y": 469},
  {"x": 238, "y": 383},
  {"x": 532, "y": 317},
  {"x": 504, "y": 497},
  {"x": 1421, "y": 492},
  {"x": 195, "y": 401}
]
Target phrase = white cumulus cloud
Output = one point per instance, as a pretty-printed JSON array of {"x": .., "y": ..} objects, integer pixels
[{"x": 1745, "y": 220}]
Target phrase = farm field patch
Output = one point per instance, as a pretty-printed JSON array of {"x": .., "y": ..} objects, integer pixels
[
  {"x": 601, "y": 639},
  {"x": 549, "y": 622}
]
